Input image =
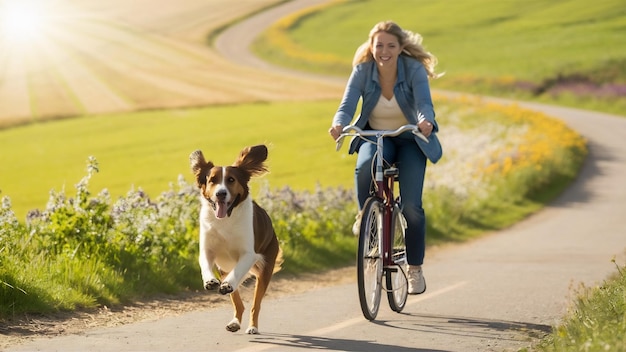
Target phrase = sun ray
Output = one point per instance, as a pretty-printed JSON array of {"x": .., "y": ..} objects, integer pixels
[
  {"x": 67, "y": 57},
  {"x": 23, "y": 21}
]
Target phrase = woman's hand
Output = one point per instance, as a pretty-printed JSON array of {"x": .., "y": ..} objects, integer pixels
[
  {"x": 335, "y": 131},
  {"x": 425, "y": 127}
]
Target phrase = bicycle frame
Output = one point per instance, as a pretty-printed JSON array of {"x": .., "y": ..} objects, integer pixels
[
  {"x": 384, "y": 189},
  {"x": 375, "y": 259},
  {"x": 384, "y": 184}
]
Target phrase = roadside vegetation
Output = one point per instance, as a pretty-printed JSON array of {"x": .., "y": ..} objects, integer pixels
[
  {"x": 596, "y": 321},
  {"x": 85, "y": 250}
]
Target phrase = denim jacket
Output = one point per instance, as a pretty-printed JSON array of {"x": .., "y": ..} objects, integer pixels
[{"x": 412, "y": 93}]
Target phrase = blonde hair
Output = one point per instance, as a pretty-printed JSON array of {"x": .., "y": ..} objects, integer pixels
[{"x": 411, "y": 43}]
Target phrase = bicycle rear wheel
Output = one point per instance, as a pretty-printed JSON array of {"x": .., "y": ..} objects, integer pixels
[
  {"x": 369, "y": 258},
  {"x": 396, "y": 280}
]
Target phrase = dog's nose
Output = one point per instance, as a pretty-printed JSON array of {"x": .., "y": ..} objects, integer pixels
[{"x": 221, "y": 194}]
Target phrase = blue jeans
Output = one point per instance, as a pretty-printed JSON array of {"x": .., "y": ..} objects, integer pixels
[{"x": 406, "y": 154}]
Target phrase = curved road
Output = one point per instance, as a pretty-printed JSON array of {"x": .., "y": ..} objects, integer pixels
[{"x": 492, "y": 294}]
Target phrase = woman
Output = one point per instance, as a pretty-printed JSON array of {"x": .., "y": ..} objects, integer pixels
[{"x": 390, "y": 73}]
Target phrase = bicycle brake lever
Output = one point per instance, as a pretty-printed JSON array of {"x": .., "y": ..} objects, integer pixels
[
  {"x": 420, "y": 135},
  {"x": 339, "y": 143}
]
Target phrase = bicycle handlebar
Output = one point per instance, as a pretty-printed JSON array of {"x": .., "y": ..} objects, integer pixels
[{"x": 346, "y": 132}]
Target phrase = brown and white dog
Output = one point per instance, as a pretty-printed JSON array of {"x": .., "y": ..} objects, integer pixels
[{"x": 236, "y": 234}]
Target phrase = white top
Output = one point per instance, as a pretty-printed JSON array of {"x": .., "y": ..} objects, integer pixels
[{"x": 387, "y": 115}]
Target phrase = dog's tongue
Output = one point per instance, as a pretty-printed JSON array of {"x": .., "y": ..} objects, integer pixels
[{"x": 221, "y": 210}]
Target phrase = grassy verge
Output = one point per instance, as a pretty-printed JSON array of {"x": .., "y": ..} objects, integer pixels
[
  {"x": 498, "y": 177},
  {"x": 596, "y": 321},
  {"x": 563, "y": 52}
]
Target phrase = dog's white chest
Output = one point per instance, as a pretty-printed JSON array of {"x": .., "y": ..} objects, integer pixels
[{"x": 228, "y": 238}]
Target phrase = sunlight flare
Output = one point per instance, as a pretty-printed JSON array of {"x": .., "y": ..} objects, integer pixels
[{"x": 23, "y": 21}]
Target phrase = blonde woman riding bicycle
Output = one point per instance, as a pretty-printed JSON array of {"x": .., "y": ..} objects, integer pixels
[{"x": 390, "y": 74}]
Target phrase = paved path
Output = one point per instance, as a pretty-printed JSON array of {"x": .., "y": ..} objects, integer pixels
[{"x": 492, "y": 294}]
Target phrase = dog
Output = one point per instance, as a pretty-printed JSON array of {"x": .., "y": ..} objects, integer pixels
[{"x": 236, "y": 234}]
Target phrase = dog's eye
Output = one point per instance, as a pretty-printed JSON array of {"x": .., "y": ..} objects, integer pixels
[{"x": 230, "y": 180}]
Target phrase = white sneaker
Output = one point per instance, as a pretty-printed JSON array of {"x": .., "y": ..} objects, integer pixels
[
  {"x": 356, "y": 227},
  {"x": 417, "y": 284}
]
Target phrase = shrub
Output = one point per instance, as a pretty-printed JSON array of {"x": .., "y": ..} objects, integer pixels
[{"x": 82, "y": 251}]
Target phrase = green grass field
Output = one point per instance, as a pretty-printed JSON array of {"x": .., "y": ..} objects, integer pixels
[
  {"x": 150, "y": 149},
  {"x": 575, "y": 54}
]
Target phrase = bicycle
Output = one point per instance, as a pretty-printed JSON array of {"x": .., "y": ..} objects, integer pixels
[{"x": 382, "y": 249}]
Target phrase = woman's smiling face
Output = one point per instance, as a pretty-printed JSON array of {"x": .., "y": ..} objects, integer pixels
[{"x": 385, "y": 48}]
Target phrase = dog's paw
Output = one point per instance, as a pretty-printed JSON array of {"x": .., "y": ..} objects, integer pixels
[
  {"x": 252, "y": 330},
  {"x": 225, "y": 288},
  {"x": 211, "y": 284},
  {"x": 233, "y": 325}
]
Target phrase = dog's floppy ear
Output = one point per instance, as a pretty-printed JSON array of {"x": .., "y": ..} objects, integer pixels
[
  {"x": 252, "y": 158},
  {"x": 200, "y": 167}
]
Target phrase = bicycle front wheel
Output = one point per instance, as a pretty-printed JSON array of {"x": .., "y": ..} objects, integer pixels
[
  {"x": 396, "y": 280},
  {"x": 369, "y": 258}
]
